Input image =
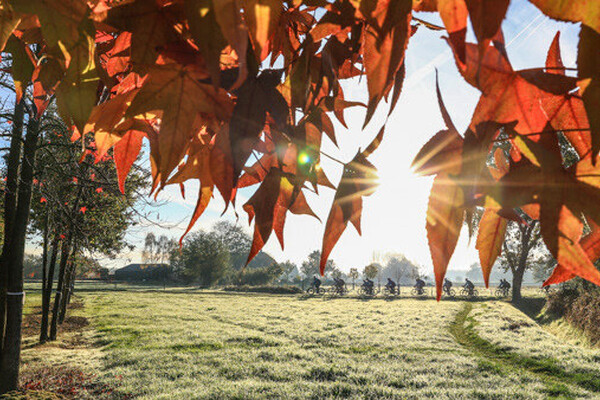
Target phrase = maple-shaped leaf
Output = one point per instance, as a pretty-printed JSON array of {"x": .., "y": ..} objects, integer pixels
[
  {"x": 510, "y": 96},
  {"x": 9, "y": 19},
  {"x": 590, "y": 244},
  {"x": 177, "y": 91},
  {"x": 359, "y": 179},
  {"x": 567, "y": 113},
  {"x": 207, "y": 34},
  {"x": 262, "y": 18},
  {"x": 77, "y": 92},
  {"x": 197, "y": 166},
  {"x": 104, "y": 120},
  {"x": 561, "y": 231},
  {"x": 257, "y": 97},
  {"x": 221, "y": 164},
  {"x": 46, "y": 77},
  {"x": 384, "y": 43},
  {"x": 229, "y": 18},
  {"x": 61, "y": 23},
  {"x": 492, "y": 229},
  {"x": 22, "y": 65},
  {"x": 278, "y": 193},
  {"x": 126, "y": 151},
  {"x": 152, "y": 26},
  {"x": 444, "y": 220}
]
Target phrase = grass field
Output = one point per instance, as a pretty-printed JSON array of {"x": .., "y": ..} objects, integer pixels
[{"x": 210, "y": 345}]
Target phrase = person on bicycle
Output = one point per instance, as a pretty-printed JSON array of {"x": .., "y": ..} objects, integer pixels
[
  {"x": 368, "y": 285},
  {"x": 391, "y": 285},
  {"x": 419, "y": 283},
  {"x": 316, "y": 283},
  {"x": 339, "y": 284},
  {"x": 469, "y": 285},
  {"x": 502, "y": 284},
  {"x": 447, "y": 285},
  {"x": 506, "y": 284}
]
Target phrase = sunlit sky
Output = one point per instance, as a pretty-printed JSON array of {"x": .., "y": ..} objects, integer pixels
[{"x": 394, "y": 217}]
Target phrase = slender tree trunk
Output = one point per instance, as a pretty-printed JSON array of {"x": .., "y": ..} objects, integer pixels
[
  {"x": 11, "y": 352},
  {"x": 47, "y": 294},
  {"x": 67, "y": 288},
  {"x": 10, "y": 207},
  {"x": 45, "y": 255},
  {"x": 64, "y": 257}
]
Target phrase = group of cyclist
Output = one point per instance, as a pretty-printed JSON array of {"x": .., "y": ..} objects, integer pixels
[{"x": 391, "y": 288}]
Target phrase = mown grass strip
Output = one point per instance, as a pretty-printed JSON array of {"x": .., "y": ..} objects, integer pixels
[{"x": 546, "y": 369}]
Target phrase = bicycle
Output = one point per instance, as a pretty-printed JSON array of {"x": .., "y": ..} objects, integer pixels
[
  {"x": 314, "y": 290},
  {"x": 387, "y": 291},
  {"x": 417, "y": 291},
  {"x": 450, "y": 292},
  {"x": 367, "y": 291},
  {"x": 501, "y": 292},
  {"x": 469, "y": 293},
  {"x": 339, "y": 290}
]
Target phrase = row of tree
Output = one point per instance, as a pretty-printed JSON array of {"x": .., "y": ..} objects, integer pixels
[{"x": 57, "y": 193}]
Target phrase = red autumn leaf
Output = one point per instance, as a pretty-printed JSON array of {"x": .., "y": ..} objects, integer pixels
[
  {"x": 262, "y": 18},
  {"x": 444, "y": 221},
  {"x": 385, "y": 39},
  {"x": 125, "y": 153},
  {"x": 492, "y": 229},
  {"x": 184, "y": 101},
  {"x": 256, "y": 98},
  {"x": 359, "y": 179},
  {"x": 277, "y": 194}
]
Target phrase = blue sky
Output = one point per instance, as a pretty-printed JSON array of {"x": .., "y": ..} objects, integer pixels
[{"x": 393, "y": 217}]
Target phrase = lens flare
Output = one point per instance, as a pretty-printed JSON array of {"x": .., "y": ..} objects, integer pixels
[{"x": 304, "y": 158}]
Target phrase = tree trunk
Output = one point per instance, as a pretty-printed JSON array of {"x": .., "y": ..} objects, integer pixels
[
  {"x": 64, "y": 258},
  {"x": 47, "y": 293},
  {"x": 45, "y": 255},
  {"x": 11, "y": 357},
  {"x": 10, "y": 207},
  {"x": 66, "y": 297},
  {"x": 517, "y": 282}
]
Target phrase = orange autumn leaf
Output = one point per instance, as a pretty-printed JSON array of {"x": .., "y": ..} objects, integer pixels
[
  {"x": 444, "y": 221},
  {"x": 492, "y": 229}
]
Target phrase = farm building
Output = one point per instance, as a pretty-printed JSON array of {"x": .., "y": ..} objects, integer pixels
[{"x": 142, "y": 272}]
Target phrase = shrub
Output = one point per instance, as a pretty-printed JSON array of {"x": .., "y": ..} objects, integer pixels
[
  {"x": 580, "y": 305},
  {"x": 264, "y": 289}
]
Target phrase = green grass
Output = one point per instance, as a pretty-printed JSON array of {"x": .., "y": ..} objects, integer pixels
[{"x": 208, "y": 345}]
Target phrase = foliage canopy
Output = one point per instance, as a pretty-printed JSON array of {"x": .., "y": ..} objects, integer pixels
[{"x": 211, "y": 83}]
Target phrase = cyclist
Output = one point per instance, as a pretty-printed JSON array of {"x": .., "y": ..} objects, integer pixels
[
  {"x": 368, "y": 285},
  {"x": 316, "y": 283},
  {"x": 391, "y": 285},
  {"x": 419, "y": 285},
  {"x": 469, "y": 286},
  {"x": 339, "y": 284},
  {"x": 447, "y": 286}
]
